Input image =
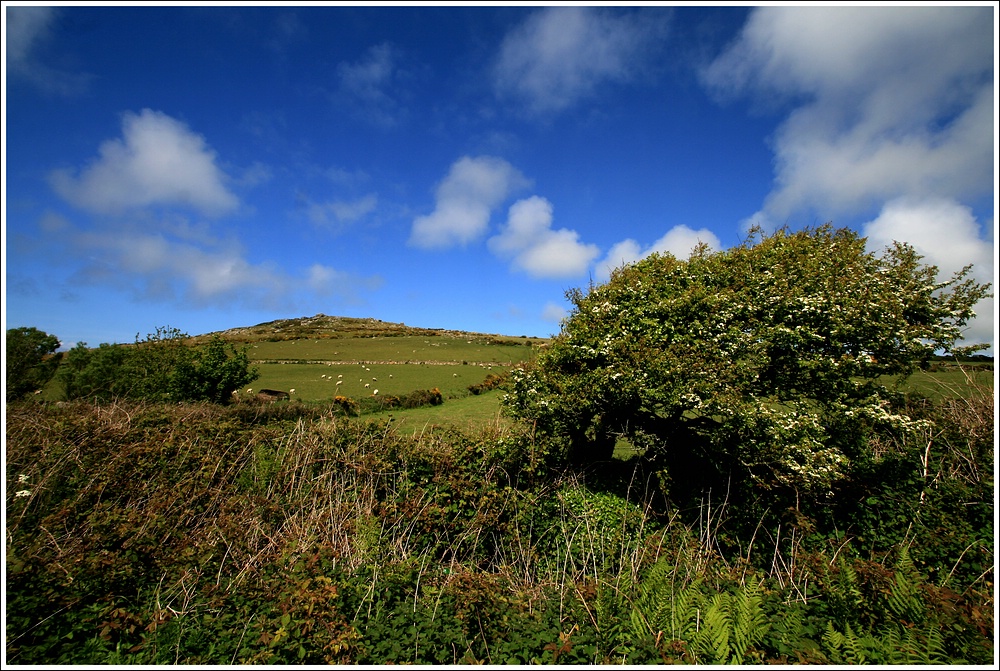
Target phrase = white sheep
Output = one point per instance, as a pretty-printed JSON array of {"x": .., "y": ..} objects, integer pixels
[
  {"x": 367, "y": 385},
  {"x": 374, "y": 379},
  {"x": 291, "y": 391},
  {"x": 374, "y": 393}
]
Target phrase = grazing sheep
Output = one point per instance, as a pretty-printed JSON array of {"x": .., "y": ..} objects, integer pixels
[
  {"x": 375, "y": 392},
  {"x": 367, "y": 385}
]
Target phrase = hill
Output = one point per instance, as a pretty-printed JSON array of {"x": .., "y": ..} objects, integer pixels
[
  {"x": 372, "y": 361},
  {"x": 323, "y": 326}
]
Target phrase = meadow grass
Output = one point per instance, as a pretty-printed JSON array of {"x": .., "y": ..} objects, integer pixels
[
  {"x": 400, "y": 349},
  {"x": 309, "y": 382},
  {"x": 950, "y": 383},
  {"x": 470, "y": 413}
]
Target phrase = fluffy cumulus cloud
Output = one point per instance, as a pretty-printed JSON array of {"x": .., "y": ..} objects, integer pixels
[
  {"x": 887, "y": 102},
  {"x": 157, "y": 161},
  {"x": 529, "y": 240},
  {"x": 560, "y": 55},
  {"x": 891, "y": 109},
  {"x": 679, "y": 241},
  {"x": 922, "y": 223},
  {"x": 465, "y": 199}
]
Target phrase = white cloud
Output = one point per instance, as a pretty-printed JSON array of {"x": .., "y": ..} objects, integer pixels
[
  {"x": 560, "y": 55},
  {"x": 158, "y": 161},
  {"x": 465, "y": 199},
  {"x": 679, "y": 241},
  {"x": 528, "y": 239},
  {"x": 948, "y": 236},
  {"x": 367, "y": 82},
  {"x": 554, "y": 313},
  {"x": 889, "y": 101},
  {"x": 28, "y": 29},
  {"x": 26, "y": 26},
  {"x": 338, "y": 212},
  {"x": 169, "y": 260},
  {"x": 326, "y": 281}
]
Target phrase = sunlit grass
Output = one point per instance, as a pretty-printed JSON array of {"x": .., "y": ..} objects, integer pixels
[{"x": 468, "y": 414}]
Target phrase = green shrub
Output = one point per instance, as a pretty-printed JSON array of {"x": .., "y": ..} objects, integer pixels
[
  {"x": 423, "y": 397},
  {"x": 31, "y": 360},
  {"x": 161, "y": 367},
  {"x": 491, "y": 382}
]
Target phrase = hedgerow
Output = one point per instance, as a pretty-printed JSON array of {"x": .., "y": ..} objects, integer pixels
[{"x": 152, "y": 533}]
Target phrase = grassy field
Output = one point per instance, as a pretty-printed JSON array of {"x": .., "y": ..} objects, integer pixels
[
  {"x": 319, "y": 382},
  {"x": 402, "y": 349},
  {"x": 470, "y": 413},
  {"x": 950, "y": 383}
]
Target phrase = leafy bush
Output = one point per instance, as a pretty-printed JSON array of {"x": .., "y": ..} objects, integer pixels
[
  {"x": 760, "y": 366},
  {"x": 492, "y": 381},
  {"x": 31, "y": 360},
  {"x": 161, "y": 367},
  {"x": 423, "y": 397}
]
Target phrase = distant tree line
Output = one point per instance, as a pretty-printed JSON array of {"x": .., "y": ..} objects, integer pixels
[{"x": 163, "y": 367}]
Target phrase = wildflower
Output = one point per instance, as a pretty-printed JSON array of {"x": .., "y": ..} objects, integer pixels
[
  {"x": 23, "y": 492},
  {"x": 22, "y": 478}
]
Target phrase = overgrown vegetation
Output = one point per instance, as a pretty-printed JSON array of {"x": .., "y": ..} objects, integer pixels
[
  {"x": 151, "y": 533},
  {"x": 148, "y": 532}
]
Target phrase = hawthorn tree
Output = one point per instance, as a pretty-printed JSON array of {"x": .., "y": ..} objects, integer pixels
[
  {"x": 31, "y": 360},
  {"x": 771, "y": 361}
]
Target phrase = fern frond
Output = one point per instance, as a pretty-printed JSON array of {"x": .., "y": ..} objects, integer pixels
[
  {"x": 847, "y": 644},
  {"x": 904, "y": 600},
  {"x": 711, "y": 639},
  {"x": 750, "y": 624},
  {"x": 848, "y": 582}
]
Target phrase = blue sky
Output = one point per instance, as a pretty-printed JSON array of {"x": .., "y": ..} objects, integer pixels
[{"x": 219, "y": 166}]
